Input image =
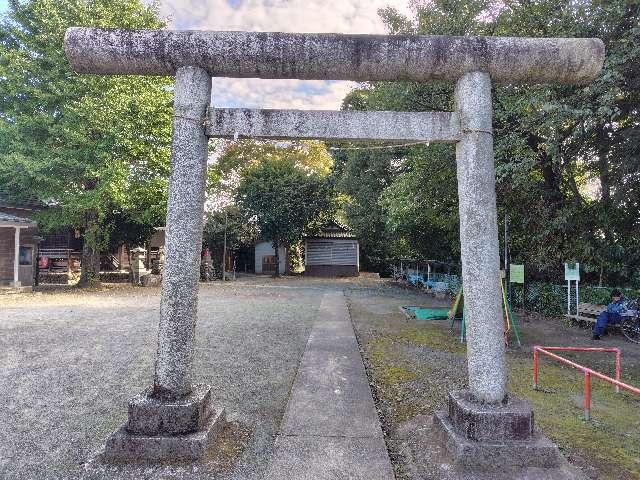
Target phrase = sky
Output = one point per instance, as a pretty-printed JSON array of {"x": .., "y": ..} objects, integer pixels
[{"x": 340, "y": 16}]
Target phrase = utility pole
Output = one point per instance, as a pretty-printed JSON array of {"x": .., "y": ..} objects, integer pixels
[
  {"x": 505, "y": 246},
  {"x": 506, "y": 256},
  {"x": 224, "y": 247}
]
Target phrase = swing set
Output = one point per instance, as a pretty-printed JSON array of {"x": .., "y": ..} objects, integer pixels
[{"x": 457, "y": 313}]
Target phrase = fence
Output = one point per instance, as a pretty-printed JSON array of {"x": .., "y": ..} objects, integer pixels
[
  {"x": 551, "y": 300},
  {"x": 588, "y": 373},
  {"x": 541, "y": 297}
]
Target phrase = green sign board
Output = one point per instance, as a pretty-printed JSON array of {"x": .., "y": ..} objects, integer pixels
[
  {"x": 572, "y": 271},
  {"x": 516, "y": 273}
]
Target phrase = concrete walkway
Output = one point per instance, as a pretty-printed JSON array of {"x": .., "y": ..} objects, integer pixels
[{"x": 330, "y": 429}]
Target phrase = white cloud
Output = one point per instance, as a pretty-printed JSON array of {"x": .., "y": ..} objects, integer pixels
[
  {"x": 257, "y": 93},
  {"x": 339, "y": 16}
]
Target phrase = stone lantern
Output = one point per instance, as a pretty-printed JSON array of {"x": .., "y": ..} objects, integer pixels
[{"x": 138, "y": 256}]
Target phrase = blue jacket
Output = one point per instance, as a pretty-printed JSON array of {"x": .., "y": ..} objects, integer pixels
[{"x": 618, "y": 307}]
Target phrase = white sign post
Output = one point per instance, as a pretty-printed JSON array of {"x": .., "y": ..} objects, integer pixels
[{"x": 572, "y": 273}]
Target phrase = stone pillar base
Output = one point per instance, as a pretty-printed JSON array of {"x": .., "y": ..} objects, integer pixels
[
  {"x": 166, "y": 430},
  {"x": 493, "y": 436}
]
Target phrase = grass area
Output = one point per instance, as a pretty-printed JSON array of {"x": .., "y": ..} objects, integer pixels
[
  {"x": 408, "y": 362},
  {"x": 610, "y": 441}
]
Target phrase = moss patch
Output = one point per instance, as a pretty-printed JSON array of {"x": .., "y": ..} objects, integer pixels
[
  {"x": 410, "y": 378},
  {"x": 610, "y": 441},
  {"x": 404, "y": 387},
  {"x": 432, "y": 336}
]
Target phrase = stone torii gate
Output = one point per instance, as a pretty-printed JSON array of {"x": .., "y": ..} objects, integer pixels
[{"x": 174, "y": 418}]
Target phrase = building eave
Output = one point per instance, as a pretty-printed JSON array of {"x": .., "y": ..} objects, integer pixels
[
  {"x": 17, "y": 224},
  {"x": 330, "y": 237}
]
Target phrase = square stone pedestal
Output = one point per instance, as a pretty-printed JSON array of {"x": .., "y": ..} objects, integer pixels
[
  {"x": 166, "y": 430},
  {"x": 493, "y": 436}
]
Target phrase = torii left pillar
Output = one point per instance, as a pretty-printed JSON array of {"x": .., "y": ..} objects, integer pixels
[{"x": 175, "y": 420}]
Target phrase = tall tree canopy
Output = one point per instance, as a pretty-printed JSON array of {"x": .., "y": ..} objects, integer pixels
[
  {"x": 238, "y": 156},
  {"x": 283, "y": 199},
  {"x": 567, "y": 158},
  {"x": 95, "y": 148},
  {"x": 362, "y": 177},
  {"x": 247, "y": 169}
]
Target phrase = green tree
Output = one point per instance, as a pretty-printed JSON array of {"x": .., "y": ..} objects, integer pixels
[
  {"x": 391, "y": 190},
  {"x": 421, "y": 207},
  {"x": 229, "y": 220},
  {"x": 283, "y": 199},
  {"x": 311, "y": 156},
  {"x": 582, "y": 145},
  {"x": 567, "y": 157},
  {"x": 95, "y": 148},
  {"x": 361, "y": 176}
]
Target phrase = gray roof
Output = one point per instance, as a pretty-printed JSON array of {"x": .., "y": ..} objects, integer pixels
[
  {"x": 333, "y": 229},
  {"x": 326, "y": 234},
  {"x": 7, "y": 218}
]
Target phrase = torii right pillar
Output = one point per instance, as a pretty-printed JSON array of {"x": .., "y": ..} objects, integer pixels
[
  {"x": 484, "y": 428},
  {"x": 479, "y": 239}
]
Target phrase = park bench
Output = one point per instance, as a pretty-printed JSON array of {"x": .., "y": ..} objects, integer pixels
[{"x": 587, "y": 312}]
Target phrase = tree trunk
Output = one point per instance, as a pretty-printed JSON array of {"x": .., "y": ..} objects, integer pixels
[
  {"x": 90, "y": 262},
  {"x": 603, "y": 172},
  {"x": 551, "y": 186},
  {"x": 601, "y": 272},
  {"x": 276, "y": 246}
]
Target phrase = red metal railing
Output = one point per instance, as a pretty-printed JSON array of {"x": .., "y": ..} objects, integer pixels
[{"x": 588, "y": 372}]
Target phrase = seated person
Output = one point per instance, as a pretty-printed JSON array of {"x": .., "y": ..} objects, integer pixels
[{"x": 612, "y": 315}]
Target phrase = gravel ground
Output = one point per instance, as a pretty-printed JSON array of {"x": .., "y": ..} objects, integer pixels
[{"x": 70, "y": 362}]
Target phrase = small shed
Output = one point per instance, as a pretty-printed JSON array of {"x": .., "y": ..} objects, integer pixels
[
  {"x": 334, "y": 252},
  {"x": 265, "y": 258},
  {"x": 17, "y": 250}
]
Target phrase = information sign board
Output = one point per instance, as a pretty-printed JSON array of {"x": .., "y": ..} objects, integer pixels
[
  {"x": 516, "y": 273},
  {"x": 572, "y": 271}
]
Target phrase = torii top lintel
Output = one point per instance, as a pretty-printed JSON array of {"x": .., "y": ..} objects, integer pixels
[{"x": 330, "y": 56}]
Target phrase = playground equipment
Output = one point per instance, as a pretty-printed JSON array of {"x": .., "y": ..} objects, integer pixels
[
  {"x": 423, "y": 274},
  {"x": 588, "y": 372},
  {"x": 420, "y": 313},
  {"x": 457, "y": 312}
]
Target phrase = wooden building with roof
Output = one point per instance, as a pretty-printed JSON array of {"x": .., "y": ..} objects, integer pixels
[
  {"x": 17, "y": 243},
  {"x": 334, "y": 252}
]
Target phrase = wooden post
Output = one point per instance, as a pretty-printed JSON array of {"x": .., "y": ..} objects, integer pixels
[{"x": 16, "y": 257}]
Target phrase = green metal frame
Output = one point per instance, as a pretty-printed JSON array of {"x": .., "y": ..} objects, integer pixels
[{"x": 463, "y": 329}]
